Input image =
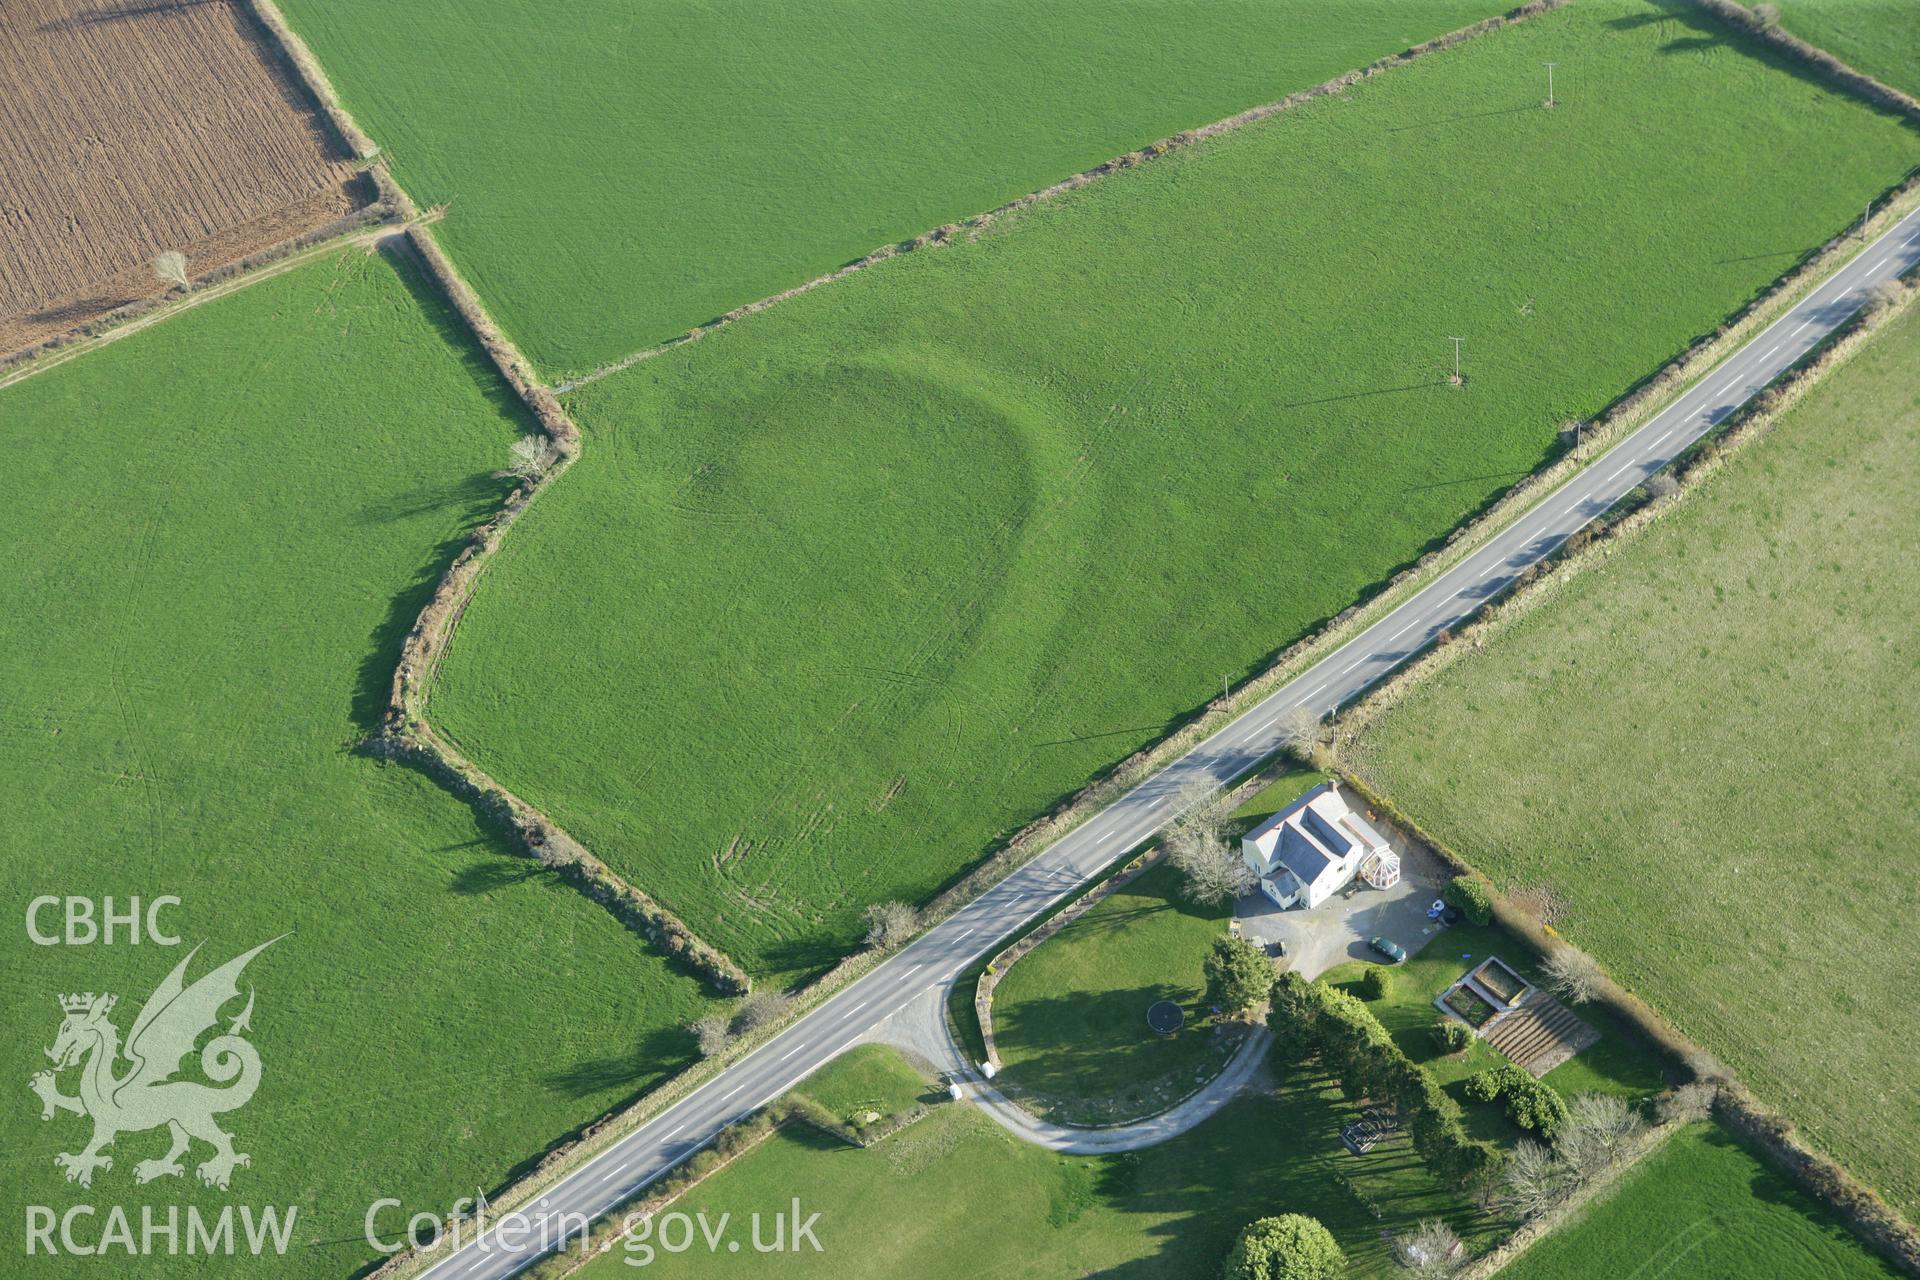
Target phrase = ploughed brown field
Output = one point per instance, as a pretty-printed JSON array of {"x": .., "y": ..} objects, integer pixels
[{"x": 132, "y": 127}]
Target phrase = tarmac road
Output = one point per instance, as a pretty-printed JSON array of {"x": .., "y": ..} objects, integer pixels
[{"x": 945, "y": 950}]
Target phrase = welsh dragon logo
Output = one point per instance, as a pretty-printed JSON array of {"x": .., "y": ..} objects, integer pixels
[{"x": 145, "y": 1095}]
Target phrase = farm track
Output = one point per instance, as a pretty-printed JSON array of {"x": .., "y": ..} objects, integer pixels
[{"x": 135, "y": 130}]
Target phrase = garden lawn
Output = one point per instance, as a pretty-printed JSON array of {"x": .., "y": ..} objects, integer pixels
[
  {"x": 955, "y": 1195},
  {"x": 1070, "y": 1019},
  {"x": 616, "y": 175},
  {"x": 1879, "y": 37},
  {"x": 1619, "y": 1063},
  {"x": 1704, "y": 745},
  {"x": 216, "y": 533},
  {"x": 846, "y": 592},
  {"x": 1704, "y": 1207}
]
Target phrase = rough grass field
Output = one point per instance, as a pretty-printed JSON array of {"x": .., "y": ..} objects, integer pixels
[
  {"x": 848, "y": 590},
  {"x": 1070, "y": 1019},
  {"x": 1879, "y": 37},
  {"x": 215, "y": 534},
  {"x": 130, "y": 130},
  {"x": 649, "y": 170},
  {"x": 1705, "y": 746},
  {"x": 954, "y": 1195},
  {"x": 1706, "y": 1208}
]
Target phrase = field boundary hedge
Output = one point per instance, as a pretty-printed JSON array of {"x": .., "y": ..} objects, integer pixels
[
  {"x": 731, "y": 1143},
  {"x": 1864, "y": 1212},
  {"x": 1867, "y": 1215},
  {"x": 1597, "y": 540},
  {"x": 406, "y": 734},
  {"x": 1876, "y": 1223},
  {"x": 973, "y": 225},
  {"x": 307, "y": 70},
  {"x": 450, "y": 599},
  {"x": 1840, "y": 73},
  {"x": 359, "y": 225},
  {"x": 1594, "y": 1189}
]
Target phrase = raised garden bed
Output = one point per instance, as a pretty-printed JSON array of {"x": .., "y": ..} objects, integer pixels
[
  {"x": 1465, "y": 1002},
  {"x": 1501, "y": 981}
]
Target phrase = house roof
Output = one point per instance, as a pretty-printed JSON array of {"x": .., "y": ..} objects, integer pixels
[
  {"x": 1282, "y": 818},
  {"x": 1331, "y": 838},
  {"x": 1300, "y": 855},
  {"x": 1307, "y": 836}
]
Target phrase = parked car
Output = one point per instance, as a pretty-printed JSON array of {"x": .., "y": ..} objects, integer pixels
[{"x": 1389, "y": 948}]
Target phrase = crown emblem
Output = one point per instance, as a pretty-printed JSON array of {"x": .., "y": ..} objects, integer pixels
[{"x": 81, "y": 1002}]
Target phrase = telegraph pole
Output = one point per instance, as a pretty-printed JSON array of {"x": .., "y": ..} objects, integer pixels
[
  {"x": 1456, "y": 379},
  {"x": 1550, "y": 66}
]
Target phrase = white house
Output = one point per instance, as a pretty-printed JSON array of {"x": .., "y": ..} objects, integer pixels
[{"x": 1311, "y": 849}]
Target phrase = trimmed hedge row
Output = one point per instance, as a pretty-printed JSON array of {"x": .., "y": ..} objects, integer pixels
[
  {"x": 1311, "y": 1018},
  {"x": 1840, "y": 74},
  {"x": 1530, "y": 1104},
  {"x": 1870, "y": 1217}
]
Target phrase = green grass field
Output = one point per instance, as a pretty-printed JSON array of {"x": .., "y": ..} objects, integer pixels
[
  {"x": 1705, "y": 1208},
  {"x": 954, "y": 1195},
  {"x": 1704, "y": 746},
  {"x": 1879, "y": 37},
  {"x": 215, "y": 534},
  {"x": 868, "y": 1079},
  {"x": 616, "y": 177},
  {"x": 844, "y": 593},
  {"x": 1070, "y": 1019}
]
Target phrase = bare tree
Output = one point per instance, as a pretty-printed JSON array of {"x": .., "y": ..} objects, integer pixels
[
  {"x": 1532, "y": 1180},
  {"x": 1766, "y": 16},
  {"x": 760, "y": 1009},
  {"x": 713, "y": 1035},
  {"x": 1198, "y": 808},
  {"x": 1662, "y": 485},
  {"x": 1196, "y": 846},
  {"x": 171, "y": 267},
  {"x": 1430, "y": 1251},
  {"x": 1574, "y": 974},
  {"x": 1300, "y": 733},
  {"x": 1598, "y": 1128},
  {"x": 890, "y": 924},
  {"x": 1214, "y": 875},
  {"x": 531, "y": 457}
]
